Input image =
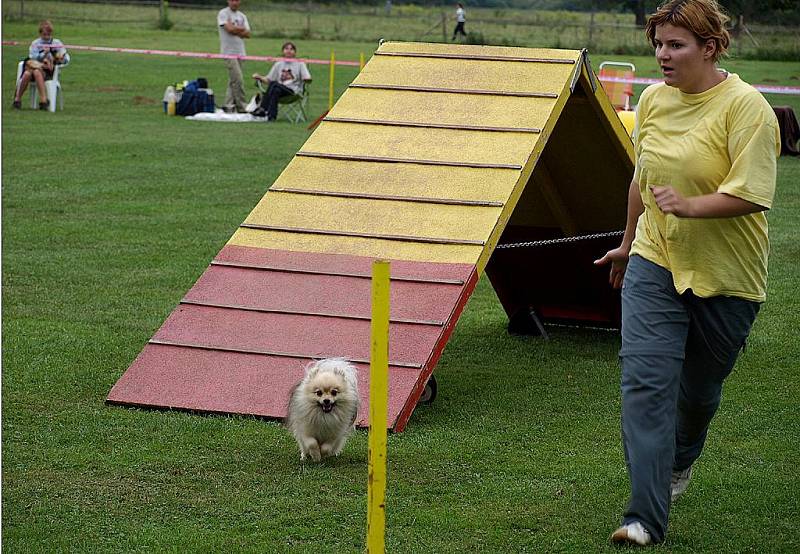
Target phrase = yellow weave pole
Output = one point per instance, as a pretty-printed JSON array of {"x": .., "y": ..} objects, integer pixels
[
  {"x": 361, "y": 61},
  {"x": 378, "y": 408},
  {"x": 330, "y": 86}
]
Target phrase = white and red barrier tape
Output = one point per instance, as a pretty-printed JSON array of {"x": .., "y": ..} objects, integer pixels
[
  {"x": 768, "y": 89},
  {"x": 182, "y": 54}
]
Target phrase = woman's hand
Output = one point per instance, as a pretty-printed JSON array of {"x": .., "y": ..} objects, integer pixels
[
  {"x": 618, "y": 258},
  {"x": 670, "y": 201}
]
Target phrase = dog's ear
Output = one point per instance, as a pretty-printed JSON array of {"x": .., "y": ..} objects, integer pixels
[
  {"x": 312, "y": 368},
  {"x": 349, "y": 373}
]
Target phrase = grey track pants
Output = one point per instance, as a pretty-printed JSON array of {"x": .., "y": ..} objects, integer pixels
[
  {"x": 677, "y": 349},
  {"x": 234, "y": 95}
]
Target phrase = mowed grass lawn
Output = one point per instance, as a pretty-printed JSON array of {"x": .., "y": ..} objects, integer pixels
[{"x": 112, "y": 210}]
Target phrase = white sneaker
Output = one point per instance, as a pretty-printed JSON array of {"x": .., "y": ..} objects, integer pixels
[
  {"x": 680, "y": 480},
  {"x": 633, "y": 533}
]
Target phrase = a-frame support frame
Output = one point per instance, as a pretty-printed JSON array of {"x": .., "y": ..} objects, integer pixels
[{"x": 543, "y": 270}]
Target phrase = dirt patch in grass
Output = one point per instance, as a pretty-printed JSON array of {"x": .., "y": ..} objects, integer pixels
[{"x": 139, "y": 100}]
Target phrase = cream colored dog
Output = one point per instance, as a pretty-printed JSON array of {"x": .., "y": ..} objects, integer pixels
[{"x": 323, "y": 407}]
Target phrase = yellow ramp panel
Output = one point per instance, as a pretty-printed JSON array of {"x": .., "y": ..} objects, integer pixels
[
  {"x": 359, "y": 216},
  {"x": 476, "y": 50},
  {"x": 467, "y": 184},
  {"x": 513, "y": 112},
  {"x": 477, "y": 75},
  {"x": 358, "y": 246},
  {"x": 476, "y": 69},
  {"x": 410, "y": 143},
  {"x": 423, "y": 130}
]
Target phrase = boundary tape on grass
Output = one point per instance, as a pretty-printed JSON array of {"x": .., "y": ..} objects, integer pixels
[
  {"x": 768, "y": 89},
  {"x": 185, "y": 54}
]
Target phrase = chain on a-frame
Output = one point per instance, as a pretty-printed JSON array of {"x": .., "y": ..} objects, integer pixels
[{"x": 564, "y": 240}]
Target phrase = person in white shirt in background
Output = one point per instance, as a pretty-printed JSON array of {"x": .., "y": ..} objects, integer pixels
[
  {"x": 461, "y": 18},
  {"x": 233, "y": 29}
]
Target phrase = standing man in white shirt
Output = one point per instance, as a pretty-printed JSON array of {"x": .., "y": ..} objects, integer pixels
[{"x": 233, "y": 29}]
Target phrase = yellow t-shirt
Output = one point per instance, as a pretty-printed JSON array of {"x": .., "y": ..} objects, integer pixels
[{"x": 725, "y": 139}]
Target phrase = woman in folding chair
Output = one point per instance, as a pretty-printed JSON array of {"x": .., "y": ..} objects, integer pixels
[
  {"x": 287, "y": 77},
  {"x": 44, "y": 54}
]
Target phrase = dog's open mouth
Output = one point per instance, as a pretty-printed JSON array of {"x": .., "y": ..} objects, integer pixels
[{"x": 327, "y": 408}]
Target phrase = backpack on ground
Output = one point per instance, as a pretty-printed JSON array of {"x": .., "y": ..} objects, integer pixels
[{"x": 195, "y": 99}]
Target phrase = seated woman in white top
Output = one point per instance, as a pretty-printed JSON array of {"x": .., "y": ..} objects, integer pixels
[
  {"x": 287, "y": 77},
  {"x": 44, "y": 54}
]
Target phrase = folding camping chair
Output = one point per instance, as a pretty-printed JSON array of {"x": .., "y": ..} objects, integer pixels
[
  {"x": 292, "y": 107},
  {"x": 52, "y": 86},
  {"x": 619, "y": 93}
]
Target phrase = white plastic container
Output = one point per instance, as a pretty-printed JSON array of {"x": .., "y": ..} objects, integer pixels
[{"x": 170, "y": 99}]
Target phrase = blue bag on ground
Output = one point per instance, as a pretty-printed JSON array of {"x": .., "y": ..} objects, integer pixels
[{"x": 195, "y": 99}]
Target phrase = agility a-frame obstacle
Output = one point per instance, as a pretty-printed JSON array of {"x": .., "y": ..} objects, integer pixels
[{"x": 433, "y": 156}]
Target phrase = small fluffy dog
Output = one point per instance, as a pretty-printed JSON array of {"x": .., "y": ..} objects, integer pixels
[{"x": 323, "y": 408}]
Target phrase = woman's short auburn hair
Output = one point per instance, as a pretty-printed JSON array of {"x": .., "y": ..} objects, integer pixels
[
  {"x": 704, "y": 18},
  {"x": 45, "y": 24}
]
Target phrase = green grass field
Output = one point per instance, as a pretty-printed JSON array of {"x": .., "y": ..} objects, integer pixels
[{"x": 111, "y": 211}]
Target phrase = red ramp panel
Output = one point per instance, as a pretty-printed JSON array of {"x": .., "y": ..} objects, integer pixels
[
  {"x": 432, "y": 152},
  {"x": 241, "y": 337},
  {"x": 215, "y": 381}
]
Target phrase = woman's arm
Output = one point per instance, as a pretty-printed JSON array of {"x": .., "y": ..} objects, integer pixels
[
  {"x": 635, "y": 209},
  {"x": 716, "y": 204},
  {"x": 618, "y": 257}
]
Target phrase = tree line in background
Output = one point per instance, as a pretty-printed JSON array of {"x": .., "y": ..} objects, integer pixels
[{"x": 774, "y": 12}]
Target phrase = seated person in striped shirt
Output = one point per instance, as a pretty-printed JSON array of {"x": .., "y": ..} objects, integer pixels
[{"x": 44, "y": 54}]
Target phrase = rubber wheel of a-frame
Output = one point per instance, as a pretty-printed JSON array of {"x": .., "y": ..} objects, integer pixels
[{"x": 429, "y": 394}]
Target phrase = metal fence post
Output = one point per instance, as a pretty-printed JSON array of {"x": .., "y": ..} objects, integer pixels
[{"x": 308, "y": 19}]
